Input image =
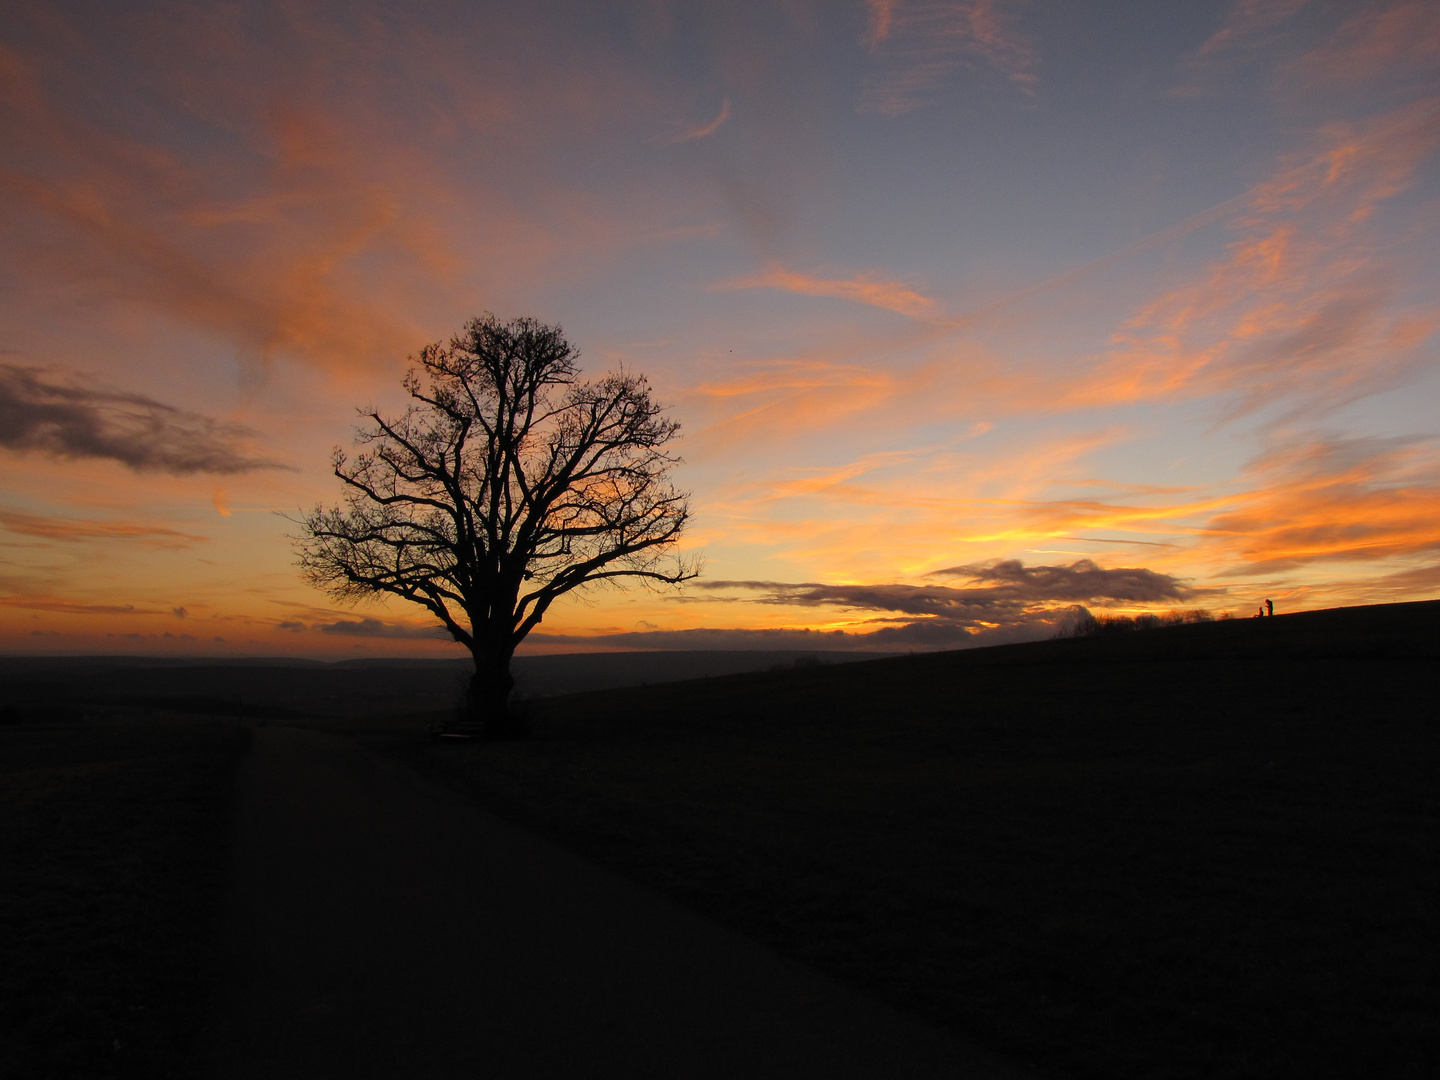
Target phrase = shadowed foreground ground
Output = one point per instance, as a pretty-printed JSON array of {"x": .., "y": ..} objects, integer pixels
[
  {"x": 379, "y": 926},
  {"x": 1205, "y": 851}
]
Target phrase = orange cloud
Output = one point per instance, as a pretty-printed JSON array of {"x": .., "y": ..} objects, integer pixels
[
  {"x": 1249, "y": 20},
  {"x": 319, "y": 194},
  {"x": 1305, "y": 307},
  {"x": 1345, "y": 500},
  {"x": 270, "y": 273},
  {"x": 776, "y": 403},
  {"x": 865, "y": 289},
  {"x": 70, "y": 607},
  {"x": 1301, "y": 524},
  {"x": 1379, "y": 41},
  {"x": 919, "y": 44},
  {"x": 752, "y": 497},
  {"x": 886, "y": 513},
  {"x": 796, "y": 375},
  {"x": 701, "y": 131},
  {"x": 56, "y": 528},
  {"x": 882, "y": 20},
  {"x": 1054, "y": 519},
  {"x": 1406, "y": 584}
]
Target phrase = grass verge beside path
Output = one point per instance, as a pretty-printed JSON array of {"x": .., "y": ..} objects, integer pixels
[
  {"x": 1168, "y": 867},
  {"x": 112, "y": 841}
]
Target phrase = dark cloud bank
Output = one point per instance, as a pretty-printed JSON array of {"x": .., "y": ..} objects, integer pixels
[
  {"x": 368, "y": 628},
  {"x": 40, "y": 414},
  {"x": 375, "y": 628},
  {"x": 1001, "y": 602}
]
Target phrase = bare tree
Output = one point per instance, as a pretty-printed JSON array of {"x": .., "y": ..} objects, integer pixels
[{"x": 507, "y": 483}]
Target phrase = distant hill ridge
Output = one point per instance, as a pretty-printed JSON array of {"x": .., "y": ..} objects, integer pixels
[
  {"x": 1378, "y": 631},
  {"x": 280, "y": 688},
  {"x": 283, "y": 687}
]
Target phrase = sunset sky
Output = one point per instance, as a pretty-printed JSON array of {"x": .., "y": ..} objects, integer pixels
[{"x": 971, "y": 311}]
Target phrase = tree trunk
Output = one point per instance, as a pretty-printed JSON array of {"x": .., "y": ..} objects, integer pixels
[{"x": 488, "y": 700}]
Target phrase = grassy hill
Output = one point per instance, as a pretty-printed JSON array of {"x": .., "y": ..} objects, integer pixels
[
  {"x": 67, "y": 688},
  {"x": 1202, "y": 851},
  {"x": 1208, "y": 850},
  {"x": 112, "y": 850}
]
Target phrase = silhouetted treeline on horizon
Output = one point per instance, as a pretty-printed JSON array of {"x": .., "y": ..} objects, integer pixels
[{"x": 1088, "y": 625}]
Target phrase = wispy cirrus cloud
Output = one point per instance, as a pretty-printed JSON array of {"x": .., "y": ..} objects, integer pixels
[
  {"x": 699, "y": 131},
  {"x": 1408, "y": 583},
  {"x": 1333, "y": 501},
  {"x": 792, "y": 375},
  {"x": 63, "y": 606},
  {"x": 304, "y": 185},
  {"x": 779, "y": 400},
  {"x": 1308, "y": 308},
  {"x": 57, "y": 417},
  {"x": 1395, "y": 41},
  {"x": 881, "y": 15},
  {"x": 869, "y": 289},
  {"x": 1252, "y": 34},
  {"x": 887, "y": 511},
  {"x": 79, "y": 529},
  {"x": 917, "y": 45},
  {"x": 1248, "y": 21},
  {"x": 379, "y": 628},
  {"x": 1045, "y": 518},
  {"x": 262, "y": 261}
]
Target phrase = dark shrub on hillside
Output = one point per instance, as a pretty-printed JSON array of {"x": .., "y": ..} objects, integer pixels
[
  {"x": 800, "y": 663},
  {"x": 1085, "y": 624}
]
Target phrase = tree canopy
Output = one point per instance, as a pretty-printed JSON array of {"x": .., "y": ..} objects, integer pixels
[{"x": 507, "y": 483}]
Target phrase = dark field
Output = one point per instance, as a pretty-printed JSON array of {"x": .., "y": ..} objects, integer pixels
[
  {"x": 70, "y": 689},
  {"x": 1196, "y": 852},
  {"x": 111, "y": 844},
  {"x": 1202, "y": 851}
]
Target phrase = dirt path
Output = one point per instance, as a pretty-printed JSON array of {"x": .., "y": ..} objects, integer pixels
[{"x": 379, "y": 926}]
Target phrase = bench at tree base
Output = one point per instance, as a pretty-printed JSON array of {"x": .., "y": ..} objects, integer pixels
[{"x": 461, "y": 727}]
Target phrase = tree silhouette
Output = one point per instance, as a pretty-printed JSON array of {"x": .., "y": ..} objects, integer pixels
[{"x": 507, "y": 483}]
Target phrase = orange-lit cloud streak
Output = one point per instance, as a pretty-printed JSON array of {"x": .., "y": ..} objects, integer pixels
[
  {"x": 701, "y": 131},
  {"x": 919, "y": 44},
  {"x": 345, "y": 225},
  {"x": 1376, "y": 42},
  {"x": 1248, "y": 20},
  {"x": 75, "y": 529},
  {"x": 865, "y": 289},
  {"x": 1303, "y": 306}
]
